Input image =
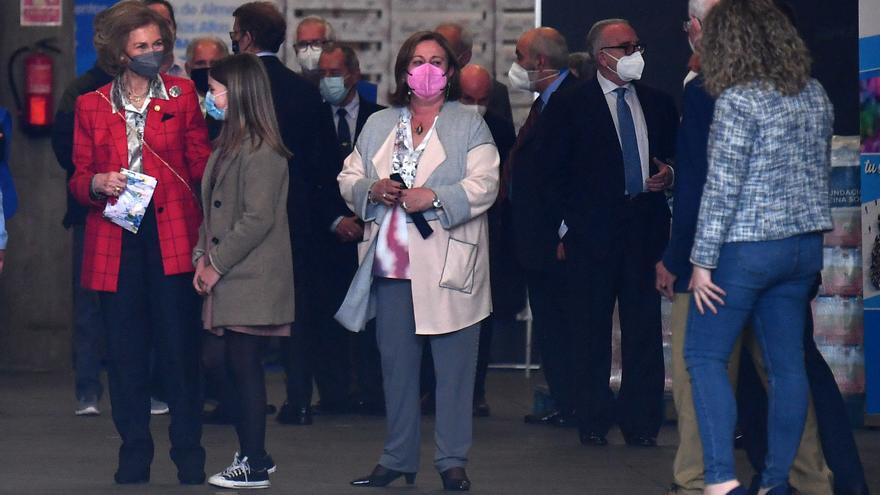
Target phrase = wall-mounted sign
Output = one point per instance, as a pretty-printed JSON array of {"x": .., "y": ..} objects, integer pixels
[{"x": 41, "y": 12}]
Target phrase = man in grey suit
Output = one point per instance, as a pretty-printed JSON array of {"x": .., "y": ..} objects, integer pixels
[{"x": 462, "y": 43}]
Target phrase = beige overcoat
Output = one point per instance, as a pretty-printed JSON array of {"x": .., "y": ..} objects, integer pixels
[
  {"x": 246, "y": 238},
  {"x": 449, "y": 269}
]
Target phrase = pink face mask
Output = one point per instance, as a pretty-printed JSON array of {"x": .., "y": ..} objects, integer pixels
[{"x": 426, "y": 81}]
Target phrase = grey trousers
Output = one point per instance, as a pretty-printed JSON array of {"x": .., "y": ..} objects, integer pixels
[{"x": 455, "y": 363}]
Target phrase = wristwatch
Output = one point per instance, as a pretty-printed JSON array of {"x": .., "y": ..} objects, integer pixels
[{"x": 436, "y": 203}]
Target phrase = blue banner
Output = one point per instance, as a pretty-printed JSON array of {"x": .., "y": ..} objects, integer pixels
[
  {"x": 869, "y": 123},
  {"x": 84, "y": 12}
]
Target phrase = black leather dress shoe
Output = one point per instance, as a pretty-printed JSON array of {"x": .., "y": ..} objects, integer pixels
[
  {"x": 382, "y": 476},
  {"x": 191, "y": 477},
  {"x": 369, "y": 408},
  {"x": 564, "y": 420},
  {"x": 455, "y": 480},
  {"x": 132, "y": 476},
  {"x": 592, "y": 438},
  {"x": 640, "y": 441},
  {"x": 289, "y": 415},
  {"x": 330, "y": 409},
  {"x": 543, "y": 418},
  {"x": 218, "y": 416}
]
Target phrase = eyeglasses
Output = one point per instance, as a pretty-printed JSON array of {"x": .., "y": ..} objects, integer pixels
[
  {"x": 628, "y": 49},
  {"x": 686, "y": 26},
  {"x": 233, "y": 35},
  {"x": 314, "y": 44}
]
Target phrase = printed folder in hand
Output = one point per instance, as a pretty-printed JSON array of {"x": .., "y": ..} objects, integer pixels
[{"x": 129, "y": 208}]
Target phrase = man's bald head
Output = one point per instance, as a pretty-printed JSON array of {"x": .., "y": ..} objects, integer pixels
[
  {"x": 542, "y": 52},
  {"x": 460, "y": 40},
  {"x": 546, "y": 44},
  {"x": 476, "y": 85}
]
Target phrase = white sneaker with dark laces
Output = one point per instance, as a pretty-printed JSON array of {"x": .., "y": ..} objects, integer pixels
[
  {"x": 158, "y": 408},
  {"x": 86, "y": 407},
  {"x": 240, "y": 475}
]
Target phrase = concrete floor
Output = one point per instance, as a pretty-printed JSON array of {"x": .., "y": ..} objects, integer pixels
[{"x": 47, "y": 450}]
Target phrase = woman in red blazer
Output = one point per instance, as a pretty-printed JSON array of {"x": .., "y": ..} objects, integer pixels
[{"x": 151, "y": 124}]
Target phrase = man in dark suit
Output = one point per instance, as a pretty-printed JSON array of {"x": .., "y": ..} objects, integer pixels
[
  {"x": 603, "y": 139},
  {"x": 507, "y": 279},
  {"x": 542, "y": 54},
  {"x": 340, "y": 73},
  {"x": 88, "y": 325},
  {"x": 307, "y": 130},
  {"x": 313, "y": 34},
  {"x": 462, "y": 43},
  {"x": 201, "y": 53}
]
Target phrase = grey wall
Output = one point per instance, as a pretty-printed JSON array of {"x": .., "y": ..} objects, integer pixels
[{"x": 35, "y": 287}]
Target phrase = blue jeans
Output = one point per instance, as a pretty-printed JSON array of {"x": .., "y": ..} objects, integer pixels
[{"x": 769, "y": 282}]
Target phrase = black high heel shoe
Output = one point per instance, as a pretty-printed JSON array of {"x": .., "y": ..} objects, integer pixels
[
  {"x": 455, "y": 480},
  {"x": 382, "y": 476}
]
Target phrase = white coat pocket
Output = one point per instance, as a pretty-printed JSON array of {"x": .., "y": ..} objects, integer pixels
[{"x": 459, "y": 267}]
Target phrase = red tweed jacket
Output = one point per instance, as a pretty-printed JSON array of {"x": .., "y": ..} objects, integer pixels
[{"x": 176, "y": 130}]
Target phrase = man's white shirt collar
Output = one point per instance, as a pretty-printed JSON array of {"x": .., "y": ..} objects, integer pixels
[
  {"x": 609, "y": 86},
  {"x": 352, "y": 107}
]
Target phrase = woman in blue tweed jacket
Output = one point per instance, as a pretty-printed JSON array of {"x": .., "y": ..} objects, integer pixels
[{"x": 758, "y": 246}]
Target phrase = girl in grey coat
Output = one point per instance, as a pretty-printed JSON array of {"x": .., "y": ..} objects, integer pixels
[{"x": 242, "y": 259}]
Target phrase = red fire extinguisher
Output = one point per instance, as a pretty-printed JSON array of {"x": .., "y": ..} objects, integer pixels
[{"x": 36, "y": 110}]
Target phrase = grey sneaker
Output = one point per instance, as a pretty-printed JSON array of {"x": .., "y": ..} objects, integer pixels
[
  {"x": 157, "y": 407},
  {"x": 87, "y": 407}
]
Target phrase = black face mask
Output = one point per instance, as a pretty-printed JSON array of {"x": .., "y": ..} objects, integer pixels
[
  {"x": 200, "y": 78},
  {"x": 235, "y": 47}
]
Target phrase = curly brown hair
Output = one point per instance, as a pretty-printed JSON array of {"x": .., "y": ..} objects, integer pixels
[
  {"x": 114, "y": 24},
  {"x": 748, "y": 41}
]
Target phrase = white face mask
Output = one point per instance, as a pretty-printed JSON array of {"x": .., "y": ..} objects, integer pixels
[
  {"x": 480, "y": 109},
  {"x": 630, "y": 67},
  {"x": 691, "y": 75},
  {"x": 308, "y": 58},
  {"x": 521, "y": 78}
]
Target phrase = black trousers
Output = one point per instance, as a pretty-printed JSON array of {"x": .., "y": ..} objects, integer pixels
[
  {"x": 835, "y": 431},
  {"x": 152, "y": 311},
  {"x": 625, "y": 275},
  {"x": 319, "y": 348},
  {"x": 484, "y": 355},
  {"x": 368, "y": 368},
  {"x": 553, "y": 331}
]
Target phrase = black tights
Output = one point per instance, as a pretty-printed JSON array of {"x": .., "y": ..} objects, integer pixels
[{"x": 244, "y": 355}]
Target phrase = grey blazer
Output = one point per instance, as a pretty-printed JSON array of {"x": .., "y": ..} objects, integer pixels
[
  {"x": 769, "y": 168},
  {"x": 246, "y": 238}
]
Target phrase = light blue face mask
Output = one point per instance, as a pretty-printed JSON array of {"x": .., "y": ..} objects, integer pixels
[
  {"x": 333, "y": 89},
  {"x": 211, "y": 106}
]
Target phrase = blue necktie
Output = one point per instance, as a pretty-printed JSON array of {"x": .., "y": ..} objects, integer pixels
[
  {"x": 343, "y": 133},
  {"x": 632, "y": 163}
]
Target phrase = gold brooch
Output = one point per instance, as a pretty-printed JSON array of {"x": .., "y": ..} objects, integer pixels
[{"x": 174, "y": 91}]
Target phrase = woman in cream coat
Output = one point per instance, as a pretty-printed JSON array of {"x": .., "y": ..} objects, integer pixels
[{"x": 420, "y": 285}]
